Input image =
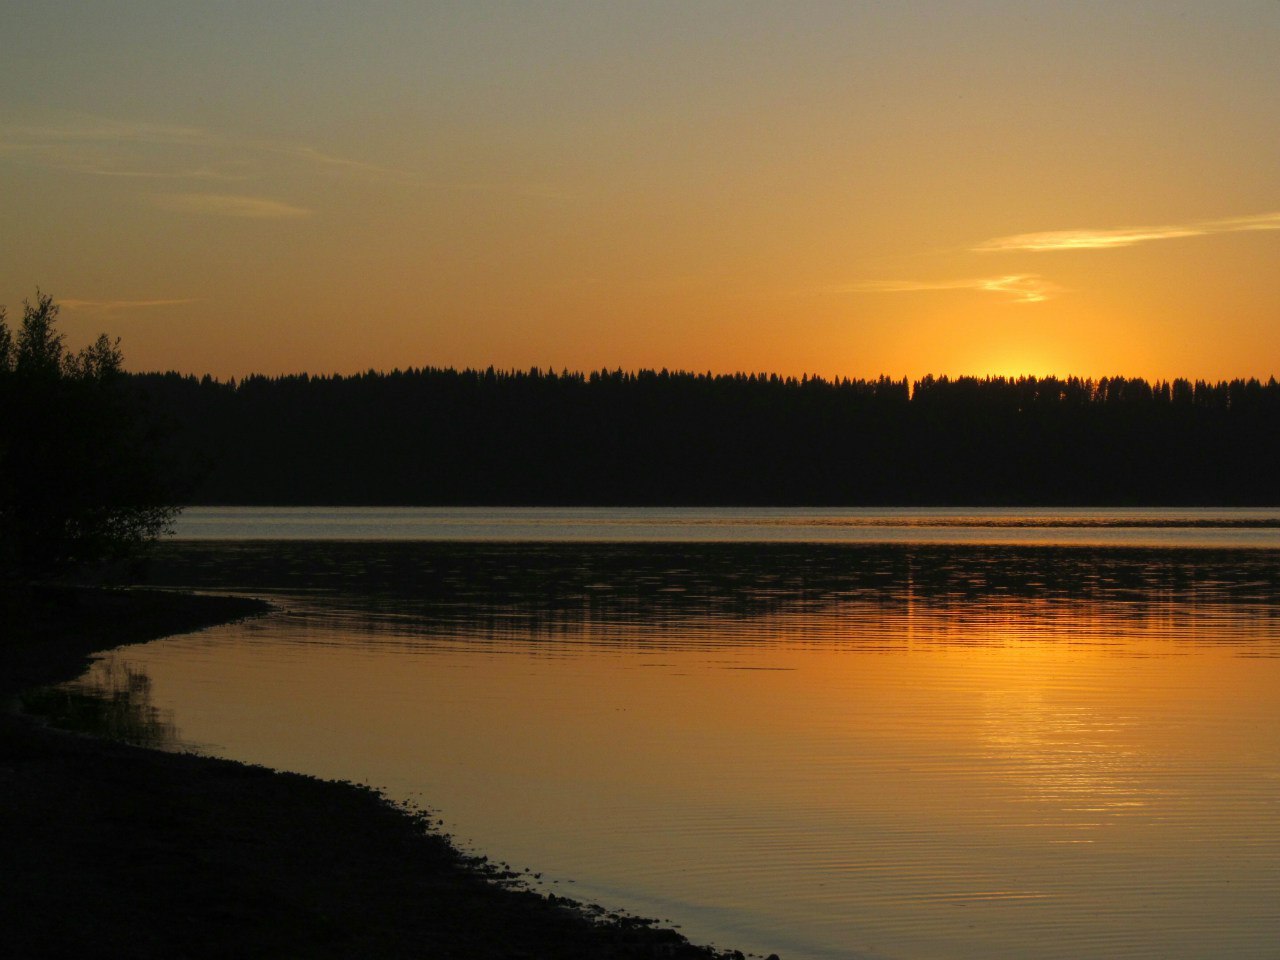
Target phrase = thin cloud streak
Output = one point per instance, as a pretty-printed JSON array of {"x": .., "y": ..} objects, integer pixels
[
  {"x": 201, "y": 173},
  {"x": 1261, "y": 221},
  {"x": 1126, "y": 236},
  {"x": 318, "y": 158},
  {"x": 93, "y": 145},
  {"x": 98, "y": 130},
  {"x": 229, "y": 205},
  {"x": 114, "y": 306},
  {"x": 1023, "y": 287},
  {"x": 114, "y": 149},
  {"x": 142, "y": 151}
]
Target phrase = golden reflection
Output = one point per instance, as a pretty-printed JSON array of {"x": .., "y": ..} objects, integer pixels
[{"x": 851, "y": 766}]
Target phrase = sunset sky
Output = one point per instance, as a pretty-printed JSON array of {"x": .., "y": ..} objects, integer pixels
[{"x": 828, "y": 187}]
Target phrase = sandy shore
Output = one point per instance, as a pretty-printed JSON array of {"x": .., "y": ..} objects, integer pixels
[{"x": 116, "y": 851}]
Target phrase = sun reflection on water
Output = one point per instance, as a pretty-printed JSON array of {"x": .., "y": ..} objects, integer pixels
[{"x": 926, "y": 752}]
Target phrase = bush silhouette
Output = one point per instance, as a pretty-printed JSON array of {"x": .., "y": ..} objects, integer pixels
[{"x": 80, "y": 478}]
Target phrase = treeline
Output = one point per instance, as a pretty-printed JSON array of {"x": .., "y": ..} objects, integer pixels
[{"x": 443, "y": 436}]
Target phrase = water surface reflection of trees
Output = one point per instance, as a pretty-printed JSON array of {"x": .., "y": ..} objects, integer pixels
[
  {"x": 113, "y": 700},
  {"x": 614, "y": 589}
]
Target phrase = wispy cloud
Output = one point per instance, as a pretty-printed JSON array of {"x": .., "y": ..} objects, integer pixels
[
  {"x": 1259, "y": 221},
  {"x": 99, "y": 129},
  {"x": 318, "y": 158},
  {"x": 99, "y": 147},
  {"x": 1126, "y": 236},
  {"x": 229, "y": 205},
  {"x": 1022, "y": 287},
  {"x": 116, "y": 306},
  {"x": 209, "y": 173},
  {"x": 195, "y": 156},
  {"x": 114, "y": 148},
  {"x": 530, "y": 190},
  {"x": 108, "y": 148}
]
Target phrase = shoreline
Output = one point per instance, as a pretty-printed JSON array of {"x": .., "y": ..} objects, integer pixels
[{"x": 115, "y": 850}]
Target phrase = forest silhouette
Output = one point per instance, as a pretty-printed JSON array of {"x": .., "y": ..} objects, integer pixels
[{"x": 445, "y": 436}]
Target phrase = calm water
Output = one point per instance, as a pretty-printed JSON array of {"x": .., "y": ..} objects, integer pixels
[
  {"x": 853, "y": 743},
  {"x": 1191, "y": 527}
]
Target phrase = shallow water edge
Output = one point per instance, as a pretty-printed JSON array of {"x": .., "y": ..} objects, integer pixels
[{"x": 117, "y": 851}]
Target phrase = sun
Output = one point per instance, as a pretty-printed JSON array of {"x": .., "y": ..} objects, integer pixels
[{"x": 1013, "y": 363}]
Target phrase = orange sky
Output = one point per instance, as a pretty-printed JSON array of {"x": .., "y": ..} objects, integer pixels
[{"x": 846, "y": 189}]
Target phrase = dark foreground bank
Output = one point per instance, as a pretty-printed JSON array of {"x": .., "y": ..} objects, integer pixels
[{"x": 116, "y": 851}]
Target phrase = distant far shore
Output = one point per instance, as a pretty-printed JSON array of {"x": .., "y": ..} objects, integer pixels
[
  {"x": 112, "y": 850},
  {"x": 658, "y": 438}
]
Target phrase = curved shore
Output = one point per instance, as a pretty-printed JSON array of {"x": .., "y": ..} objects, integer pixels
[{"x": 112, "y": 850}]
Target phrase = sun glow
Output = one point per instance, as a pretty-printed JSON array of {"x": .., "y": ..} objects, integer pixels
[
  {"x": 565, "y": 204},
  {"x": 1017, "y": 365}
]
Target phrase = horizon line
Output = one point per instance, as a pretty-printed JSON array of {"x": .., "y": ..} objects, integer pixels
[{"x": 636, "y": 372}]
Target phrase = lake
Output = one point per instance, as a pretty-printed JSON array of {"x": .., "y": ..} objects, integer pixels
[{"x": 857, "y": 733}]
